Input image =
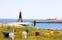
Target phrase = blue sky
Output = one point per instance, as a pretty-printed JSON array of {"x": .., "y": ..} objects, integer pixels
[{"x": 31, "y": 9}]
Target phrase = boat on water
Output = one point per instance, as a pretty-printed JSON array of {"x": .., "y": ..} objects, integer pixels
[{"x": 51, "y": 18}]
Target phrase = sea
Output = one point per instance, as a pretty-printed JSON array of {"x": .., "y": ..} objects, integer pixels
[{"x": 54, "y": 26}]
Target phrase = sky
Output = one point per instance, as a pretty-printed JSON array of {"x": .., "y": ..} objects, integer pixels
[{"x": 31, "y": 9}]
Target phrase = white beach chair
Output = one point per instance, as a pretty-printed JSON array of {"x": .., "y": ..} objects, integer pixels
[
  {"x": 24, "y": 34},
  {"x": 11, "y": 36}
]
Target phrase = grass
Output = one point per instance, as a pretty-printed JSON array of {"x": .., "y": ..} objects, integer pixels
[{"x": 31, "y": 34}]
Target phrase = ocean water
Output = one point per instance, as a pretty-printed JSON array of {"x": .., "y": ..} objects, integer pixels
[
  {"x": 38, "y": 25},
  {"x": 48, "y": 25}
]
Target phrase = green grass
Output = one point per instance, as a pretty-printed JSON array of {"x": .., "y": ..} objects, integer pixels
[{"x": 31, "y": 34}]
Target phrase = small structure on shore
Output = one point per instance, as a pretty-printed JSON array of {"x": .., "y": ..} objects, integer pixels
[
  {"x": 37, "y": 33},
  {"x": 11, "y": 36},
  {"x": 24, "y": 34},
  {"x": 20, "y": 17},
  {"x": 46, "y": 35},
  {"x": 6, "y": 34}
]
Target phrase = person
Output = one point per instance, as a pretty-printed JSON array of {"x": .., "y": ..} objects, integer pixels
[
  {"x": 34, "y": 23},
  {"x": 8, "y": 27}
]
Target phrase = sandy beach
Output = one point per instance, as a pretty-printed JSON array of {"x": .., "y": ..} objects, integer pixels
[{"x": 15, "y": 24}]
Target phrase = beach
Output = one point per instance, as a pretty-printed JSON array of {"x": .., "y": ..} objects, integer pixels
[
  {"x": 20, "y": 24},
  {"x": 45, "y": 34}
]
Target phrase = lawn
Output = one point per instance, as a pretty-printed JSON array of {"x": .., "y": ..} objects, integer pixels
[{"x": 56, "y": 35}]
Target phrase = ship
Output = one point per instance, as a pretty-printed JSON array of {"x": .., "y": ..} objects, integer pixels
[{"x": 51, "y": 18}]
